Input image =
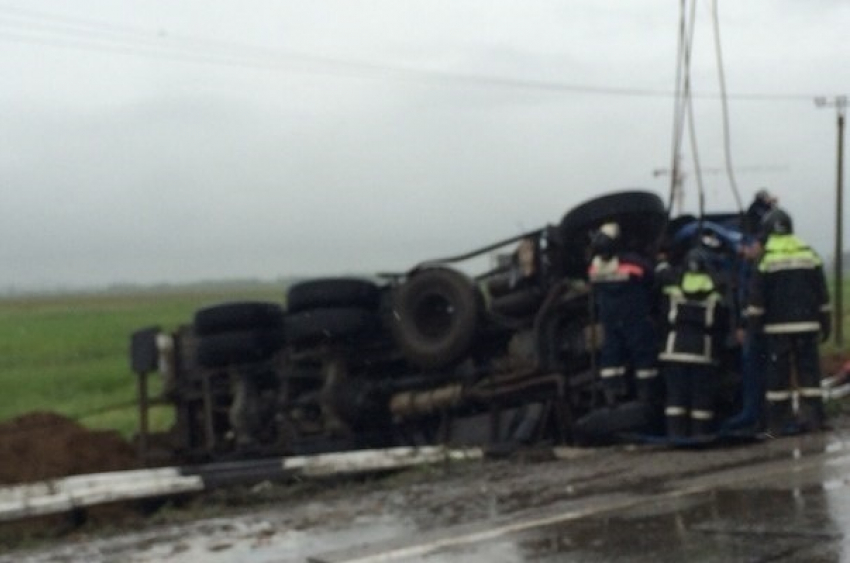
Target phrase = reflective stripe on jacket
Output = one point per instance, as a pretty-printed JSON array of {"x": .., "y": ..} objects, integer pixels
[
  {"x": 694, "y": 308},
  {"x": 788, "y": 292}
]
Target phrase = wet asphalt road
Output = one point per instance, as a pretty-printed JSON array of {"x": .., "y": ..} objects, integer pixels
[
  {"x": 780, "y": 500},
  {"x": 791, "y": 505}
]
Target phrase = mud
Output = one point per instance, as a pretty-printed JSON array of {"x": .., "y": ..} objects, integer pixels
[{"x": 44, "y": 445}]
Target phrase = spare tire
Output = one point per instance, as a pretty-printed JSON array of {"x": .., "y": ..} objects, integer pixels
[
  {"x": 332, "y": 293},
  {"x": 238, "y": 316},
  {"x": 641, "y": 215},
  {"x": 435, "y": 315}
]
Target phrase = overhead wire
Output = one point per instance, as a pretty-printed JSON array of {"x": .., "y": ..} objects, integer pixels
[
  {"x": 683, "y": 108},
  {"x": 688, "y": 101},
  {"x": 677, "y": 113},
  {"x": 42, "y": 28},
  {"x": 98, "y": 36},
  {"x": 727, "y": 143}
]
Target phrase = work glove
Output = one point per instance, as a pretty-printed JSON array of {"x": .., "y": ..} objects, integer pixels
[{"x": 825, "y": 327}]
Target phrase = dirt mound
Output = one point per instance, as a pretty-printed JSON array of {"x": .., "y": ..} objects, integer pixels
[{"x": 44, "y": 445}]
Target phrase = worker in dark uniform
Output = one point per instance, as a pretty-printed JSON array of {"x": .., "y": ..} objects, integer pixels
[
  {"x": 622, "y": 291},
  {"x": 750, "y": 419},
  {"x": 695, "y": 319},
  {"x": 763, "y": 203},
  {"x": 789, "y": 303}
]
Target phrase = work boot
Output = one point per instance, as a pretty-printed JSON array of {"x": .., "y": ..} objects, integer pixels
[
  {"x": 615, "y": 391},
  {"x": 677, "y": 426},
  {"x": 812, "y": 416},
  {"x": 780, "y": 419},
  {"x": 702, "y": 428},
  {"x": 648, "y": 391}
]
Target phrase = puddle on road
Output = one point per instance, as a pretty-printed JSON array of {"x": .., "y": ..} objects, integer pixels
[
  {"x": 736, "y": 525},
  {"x": 223, "y": 540}
]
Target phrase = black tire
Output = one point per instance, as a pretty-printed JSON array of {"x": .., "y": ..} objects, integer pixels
[
  {"x": 332, "y": 293},
  {"x": 641, "y": 215},
  {"x": 330, "y": 324},
  {"x": 238, "y": 316},
  {"x": 520, "y": 303},
  {"x": 238, "y": 347},
  {"x": 435, "y": 317},
  {"x": 499, "y": 285}
]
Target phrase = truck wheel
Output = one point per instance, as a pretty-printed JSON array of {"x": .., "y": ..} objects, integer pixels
[
  {"x": 238, "y": 316},
  {"x": 641, "y": 216},
  {"x": 519, "y": 303},
  {"x": 329, "y": 324},
  {"x": 238, "y": 347},
  {"x": 435, "y": 315},
  {"x": 332, "y": 293}
]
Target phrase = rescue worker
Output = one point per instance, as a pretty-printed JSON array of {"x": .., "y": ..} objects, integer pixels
[
  {"x": 750, "y": 419},
  {"x": 695, "y": 318},
  {"x": 622, "y": 283},
  {"x": 789, "y": 303},
  {"x": 763, "y": 203}
]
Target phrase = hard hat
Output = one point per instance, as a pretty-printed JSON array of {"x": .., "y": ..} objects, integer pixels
[
  {"x": 777, "y": 222},
  {"x": 765, "y": 196},
  {"x": 611, "y": 230}
]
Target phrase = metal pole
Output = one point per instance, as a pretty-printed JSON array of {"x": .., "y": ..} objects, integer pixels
[
  {"x": 144, "y": 406},
  {"x": 839, "y": 230},
  {"x": 840, "y": 104}
]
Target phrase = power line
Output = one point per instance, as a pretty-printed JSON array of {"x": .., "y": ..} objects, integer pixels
[{"x": 50, "y": 30}]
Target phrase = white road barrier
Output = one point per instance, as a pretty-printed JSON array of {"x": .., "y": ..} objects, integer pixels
[{"x": 69, "y": 493}]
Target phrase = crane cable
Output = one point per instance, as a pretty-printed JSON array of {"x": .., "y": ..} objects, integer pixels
[
  {"x": 725, "y": 106},
  {"x": 689, "y": 107},
  {"x": 677, "y": 134},
  {"x": 683, "y": 107}
]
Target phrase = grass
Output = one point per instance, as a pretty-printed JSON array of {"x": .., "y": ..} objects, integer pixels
[{"x": 70, "y": 353}]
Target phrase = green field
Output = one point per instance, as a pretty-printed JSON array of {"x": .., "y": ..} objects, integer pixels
[{"x": 70, "y": 353}]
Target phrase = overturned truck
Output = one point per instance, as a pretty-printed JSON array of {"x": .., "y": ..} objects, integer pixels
[{"x": 430, "y": 356}]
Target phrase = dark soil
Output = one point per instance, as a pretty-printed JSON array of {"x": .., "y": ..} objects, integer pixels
[{"x": 44, "y": 445}]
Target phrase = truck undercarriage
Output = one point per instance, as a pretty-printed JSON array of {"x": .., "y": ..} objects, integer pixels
[{"x": 430, "y": 356}]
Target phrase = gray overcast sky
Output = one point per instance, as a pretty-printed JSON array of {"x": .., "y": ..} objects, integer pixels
[{"x": 162, "y": 140}]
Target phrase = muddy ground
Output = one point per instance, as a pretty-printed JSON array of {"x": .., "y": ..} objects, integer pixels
[
  {"x": 296, "y": 520},
  {"x": 330, "y": 521}
]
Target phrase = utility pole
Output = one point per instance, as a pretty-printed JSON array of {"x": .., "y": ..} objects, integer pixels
[{"x": 840, "y": 105}]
